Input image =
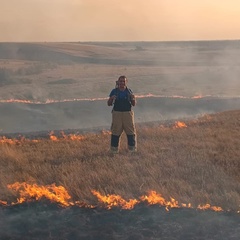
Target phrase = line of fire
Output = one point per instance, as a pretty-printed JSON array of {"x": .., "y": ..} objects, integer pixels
[
  {"x": 59, "y": 195},
  {"x": 48, "y": 101},
  {"x": 63, "y": 136}
]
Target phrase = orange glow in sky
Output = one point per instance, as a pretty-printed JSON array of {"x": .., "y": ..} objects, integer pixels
[{"x": 114, "y": 20}]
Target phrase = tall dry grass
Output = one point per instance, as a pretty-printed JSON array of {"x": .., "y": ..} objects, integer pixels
[{"x": 197, "y": 164}]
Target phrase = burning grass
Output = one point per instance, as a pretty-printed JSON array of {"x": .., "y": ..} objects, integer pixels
[{"x": 193, "y": 164}]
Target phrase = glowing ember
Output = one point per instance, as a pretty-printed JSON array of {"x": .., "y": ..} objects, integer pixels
[
  {"x": 196, "y": 97},
  {"x": 106, "y": 132},
  {"x": 208, "y": 206},
  {"x": 3, "y": 202}
]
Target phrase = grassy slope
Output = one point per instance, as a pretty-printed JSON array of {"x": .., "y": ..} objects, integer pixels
[
  {"x": 41, "y": 71},
  {"x": 197, "y": 164}
]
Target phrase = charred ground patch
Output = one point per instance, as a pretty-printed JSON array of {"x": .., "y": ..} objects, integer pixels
[{"x": 43, "y": 220}]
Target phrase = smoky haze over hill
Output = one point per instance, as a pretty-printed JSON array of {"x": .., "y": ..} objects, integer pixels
[
  {"x": 125, "y": 53},
  {"x": 39, "y": 72}
]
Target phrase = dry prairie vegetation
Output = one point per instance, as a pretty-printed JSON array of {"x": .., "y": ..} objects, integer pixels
[{"x": 197, "y": 164}]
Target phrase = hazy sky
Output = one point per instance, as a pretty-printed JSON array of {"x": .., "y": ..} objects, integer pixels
[{"x": 119, "y": 20}]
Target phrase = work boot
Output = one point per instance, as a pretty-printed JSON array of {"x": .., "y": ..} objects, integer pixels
[
  {"x": 114, "y": 150},
  {"x": 132, "y": 149}
]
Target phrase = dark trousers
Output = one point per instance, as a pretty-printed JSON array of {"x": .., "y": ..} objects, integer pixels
[{"x": 130, "y": 138}]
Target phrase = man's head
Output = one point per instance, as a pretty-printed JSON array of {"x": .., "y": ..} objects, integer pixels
[{"x": 122, "y": 82}]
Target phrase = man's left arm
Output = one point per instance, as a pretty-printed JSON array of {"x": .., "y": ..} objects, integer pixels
[{"x": 133, "y": 99}]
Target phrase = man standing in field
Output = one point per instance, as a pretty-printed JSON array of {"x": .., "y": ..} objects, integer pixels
[{"x": 122, "y": 100}]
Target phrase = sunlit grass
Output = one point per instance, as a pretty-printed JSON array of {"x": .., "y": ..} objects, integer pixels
[{"x": 196, "y": 164}]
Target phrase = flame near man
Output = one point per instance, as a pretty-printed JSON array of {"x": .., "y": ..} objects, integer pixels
[{"x": 122, "y": 99}]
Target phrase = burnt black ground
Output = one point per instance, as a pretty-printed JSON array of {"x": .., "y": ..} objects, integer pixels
[{"x": 44, "y": 220}]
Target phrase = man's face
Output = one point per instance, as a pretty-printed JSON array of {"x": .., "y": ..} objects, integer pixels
[{"x": 122, "y": 82}]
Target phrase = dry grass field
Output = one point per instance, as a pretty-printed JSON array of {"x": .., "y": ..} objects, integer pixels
[{"x": 197, "y": 163}]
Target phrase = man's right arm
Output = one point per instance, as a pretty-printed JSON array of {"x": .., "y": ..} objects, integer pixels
[
  {"x": 112, "y": 97},
  {"x": 111, "y": 100}
]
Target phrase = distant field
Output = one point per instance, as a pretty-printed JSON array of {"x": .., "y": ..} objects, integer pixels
[{"x": 41, "y": 71}]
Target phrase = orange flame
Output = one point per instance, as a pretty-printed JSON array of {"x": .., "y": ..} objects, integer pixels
[
  {"x": 51, "y": 192},
  {"x": 111, "y": 201},
  {"x": 52, "y": 137},
  {"x": 3, "y": 202},
  {"x": 21, "y": 140},
  {"x": 59, "y": 194},
  {"x": 72, "y": 137},
  {"x": 49, "y": 101},
  {"x": 15, "y": 101},
  {"x": 155, "y": 198},
  {"x": 179, "y": 124},
  {"x": 8, "y": 140},
  {"x": 208, "y": 206},
  {"x": 4, "y": 139}
]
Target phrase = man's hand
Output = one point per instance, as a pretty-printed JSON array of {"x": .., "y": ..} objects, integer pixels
[
  {"x": 133, "y": 99},
  {"x": 111, "y": 100}
]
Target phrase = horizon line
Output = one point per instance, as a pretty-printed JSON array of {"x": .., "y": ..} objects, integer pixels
[{"x": 129, "y": 41}]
